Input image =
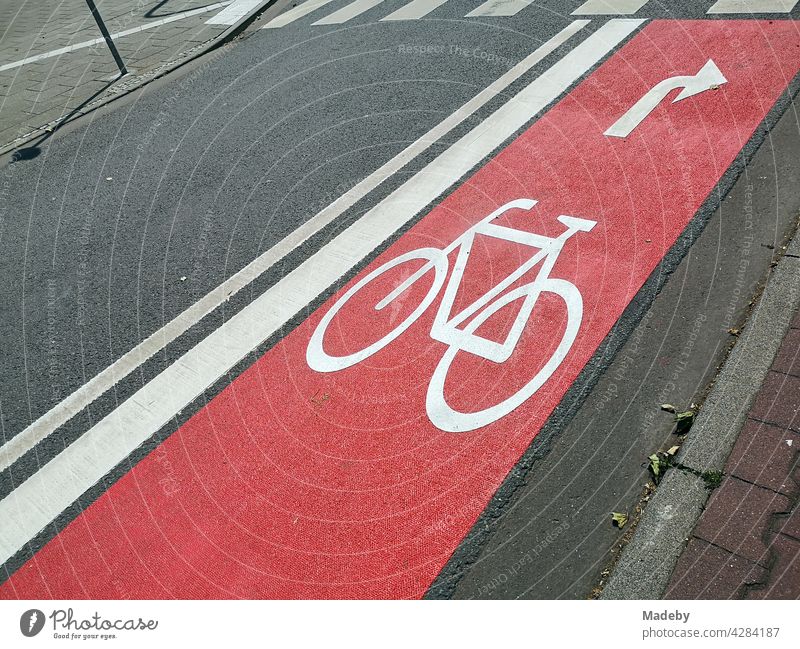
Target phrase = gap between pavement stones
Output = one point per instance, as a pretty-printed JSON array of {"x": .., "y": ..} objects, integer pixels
[
  {"x": 38, "y": 98},
  {"x": 647, "y": 562}
]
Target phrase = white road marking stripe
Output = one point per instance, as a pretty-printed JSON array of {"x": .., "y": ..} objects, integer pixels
[
  {"x": 233, "y": 12},
  {"x": 355, "y": 8},
  {"x": 499, "y": 8},
  {"x": 752, "y": 6},
  {"x": 127, "y": 32},
  {"x": 298, "y": 12},
  {"x": 48, "y": 423},
  {"x": 615, "y": 7},
  {"x": 41, "y": 498},
  {"x": 415, "y": 9}
]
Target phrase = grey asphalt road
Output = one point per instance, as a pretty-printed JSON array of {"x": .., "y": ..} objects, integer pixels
[{"x": 125, "y": 219}]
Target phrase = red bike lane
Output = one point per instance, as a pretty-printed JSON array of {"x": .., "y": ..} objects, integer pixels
[{"x": 296, "y": 483}]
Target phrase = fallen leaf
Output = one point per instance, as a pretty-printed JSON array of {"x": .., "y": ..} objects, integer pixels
[
  {"x": 668, "y": 407},
  {"x": 655, "y": 464},
  {"x": 673, "y": 450},
  {"x": 619, "y": 519}
]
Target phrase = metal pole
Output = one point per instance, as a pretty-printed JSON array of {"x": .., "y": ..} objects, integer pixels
[{"x": 120, "y": 64}]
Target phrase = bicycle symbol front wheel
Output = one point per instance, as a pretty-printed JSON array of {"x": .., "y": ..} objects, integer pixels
[
  {"x": 316, "y": 356},
  {"x": 449, "y": 420}
]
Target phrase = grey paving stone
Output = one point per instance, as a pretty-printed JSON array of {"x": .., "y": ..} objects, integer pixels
[{"x": 33, "y": 94}]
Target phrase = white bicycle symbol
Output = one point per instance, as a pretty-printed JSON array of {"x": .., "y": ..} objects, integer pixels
[{"x": 445, "y": 328}]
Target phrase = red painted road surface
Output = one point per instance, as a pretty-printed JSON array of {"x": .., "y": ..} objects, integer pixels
[{"x": 294, "y": 483}]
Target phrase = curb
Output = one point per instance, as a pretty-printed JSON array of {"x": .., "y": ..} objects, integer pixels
[
  {"x": 116, "y": 92},
  {"x": 646, "y": 563}
]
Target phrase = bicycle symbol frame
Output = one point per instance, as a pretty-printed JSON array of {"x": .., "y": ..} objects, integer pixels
[{"x": 445, "y": 325}]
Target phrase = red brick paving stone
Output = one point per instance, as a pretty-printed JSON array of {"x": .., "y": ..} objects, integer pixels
[
  {"x": 784, "y": 578},
  {"x": 778, "y": 401},
  {"x": 788, "y": 359},
  {"x": 737, "y": 517},
  {"x": 791, "y": 524},
  {"x": 762, "y": 456},
  {"x": 705, "y": 571}
]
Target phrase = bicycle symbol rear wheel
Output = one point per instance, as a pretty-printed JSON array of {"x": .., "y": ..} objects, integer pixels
[{"x": 316, "y": 356}]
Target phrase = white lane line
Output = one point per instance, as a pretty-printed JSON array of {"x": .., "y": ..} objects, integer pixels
[
  {"x": 415, "y": 9},
  {"x": 127, "y": 32},
  {"x": 499, "y": 8},
  {"x": 48, "y": 423},
  {"x": 752, "y": 6},
  {"x": 610, "y": 7},
  {"x": 233, "y": 12},
  {"x": 41, "y": 498},
  {"x": 355, "y": 8},
  {"x": 298, "y": 12}
]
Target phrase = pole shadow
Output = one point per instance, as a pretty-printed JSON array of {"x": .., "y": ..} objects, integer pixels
[{"x": 33, "y": 149}]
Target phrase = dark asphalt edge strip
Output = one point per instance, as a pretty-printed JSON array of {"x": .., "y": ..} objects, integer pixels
[
  {"x": 471, "y": 547},
  {"x": 223, "y": 38},
  {"x": 97, "y": 490}
]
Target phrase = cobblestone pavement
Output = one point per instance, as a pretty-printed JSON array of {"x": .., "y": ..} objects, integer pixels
[
  {"x": 746, "y": 544},
  {"x": 148, "y": 34}
]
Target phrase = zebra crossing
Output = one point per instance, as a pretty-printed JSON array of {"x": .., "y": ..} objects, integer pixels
[{"x": 416, "y": 9}]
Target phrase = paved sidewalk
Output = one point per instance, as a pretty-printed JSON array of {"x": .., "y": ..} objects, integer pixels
[
  {"x": 149, "y": 34},
  {"x": 746, "y": 544}
]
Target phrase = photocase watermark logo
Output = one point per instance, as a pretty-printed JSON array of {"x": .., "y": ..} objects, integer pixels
[
  {"x": 67, "y": 626},
  {"x": 31, "y": 622}
]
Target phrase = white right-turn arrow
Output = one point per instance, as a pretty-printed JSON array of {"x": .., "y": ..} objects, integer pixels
[{"x": 708, "y": 77}]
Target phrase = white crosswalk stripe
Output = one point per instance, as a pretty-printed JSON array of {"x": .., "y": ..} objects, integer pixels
[
  {"x": 609, "y": 7},
  {"x": 355, "y": 8},
  {"x": 298, "y": 12},
  {"x": 752, "y": 6},
  {"x": 415, "y": 9},
  {"x": 500, "y": 8}
]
